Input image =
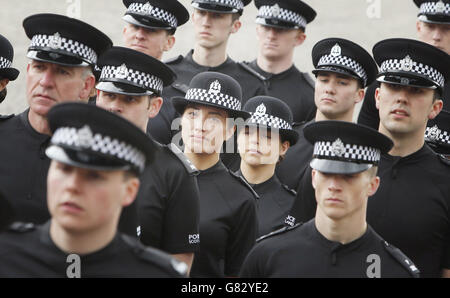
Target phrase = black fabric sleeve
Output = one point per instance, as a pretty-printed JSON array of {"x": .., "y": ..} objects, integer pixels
[
  {"x": 304, "y": 207},
  {"x": 369, "y": 115}
]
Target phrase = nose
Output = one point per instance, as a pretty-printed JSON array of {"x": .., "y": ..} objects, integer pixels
[
  {"x": 47, "y": 80},
  {"x": 330, "y": 87},
  {"x": 74, "y": 180},
  {"x": 334, "y": 183},
  {"x": 114, "y": 107},
  {"x": 437, "y": 35},
  {"x": 140, "y": 33}
]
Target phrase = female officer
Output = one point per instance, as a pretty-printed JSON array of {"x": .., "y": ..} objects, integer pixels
[
  {"x": 228, "y": 220},
  {"x": 7, "y": 73}
]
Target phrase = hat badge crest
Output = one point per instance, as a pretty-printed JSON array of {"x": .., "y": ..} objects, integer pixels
[
  {"x": 85, "y": 137},
  {"x": 434, "y": 133},
  {"x": 407, "y": 63},
  {"x": 440, "y": 7},
  {"x": 122, "y": 72},
  {"x": 215, "y": 87},
  {"x": 147, "y": 8},
  {"x": 338, "y": 147},
  {"x": 55, "y": 41},
  {"x": 336, "y": 51},
  {"x": 404, "y": 81},
  {"x": 261, "y": 109},
  {"x": 275, "y": 10}
]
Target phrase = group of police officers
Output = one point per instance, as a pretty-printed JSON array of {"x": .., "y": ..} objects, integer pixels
[{"x": 206, "y": 167}]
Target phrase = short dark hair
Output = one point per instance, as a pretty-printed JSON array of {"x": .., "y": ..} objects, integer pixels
[
  {"x": 129, "y": 175},
  {"x": 234, "y": 17}
]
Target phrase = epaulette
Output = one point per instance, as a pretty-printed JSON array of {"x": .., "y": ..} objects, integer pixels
[
  {"x": 445, "y": 160},
  {"x": 155, "y": 256},
  {"x": 402, "y": 259},
  {"x": 21, "y": 227},
  {"x": 309, "y": 80},
  {"x": 174, "y": 60},
  {"x": 183, "y": 88},
  {"x": 290, "y": 190},
  {"x": 188, "y": 165},
  {"x": 278, "y": 232},
  {"x": 6, "y": 117},
  {"x": 252, "y": 71},
  {"x": 243, "y": 182}
]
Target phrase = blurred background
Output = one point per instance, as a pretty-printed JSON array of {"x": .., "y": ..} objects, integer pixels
[{"x": 363, "y": 21}]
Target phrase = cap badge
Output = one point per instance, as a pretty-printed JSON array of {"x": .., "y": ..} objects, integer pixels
[
  {"x": 215, "y": 87},
  {"x": 338, "y": 148},
  {"x": 147, "y": 8},
  {"x": 404, "y": 81},
  {"x": 336, "y": 51},
  {"x": 85, "y": 137},
  {"x": 440, "y": 7},
  {"x": 275, "y": 10},
  {"x": 261, "y": 109},
  {"x": 55, "y": 41},
  {"x": 407, "y": 63},
  {"x": 434, "y": 133},
  {"x": 122, "y": 72}
]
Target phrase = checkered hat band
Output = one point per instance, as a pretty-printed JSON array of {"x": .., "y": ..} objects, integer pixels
[
  {"x": 70, "y": 46},
  {"x": 71, "y": 136},
  {"x": 269, "y": 121},
  {"x": 345, "y": 62},
  {"x": 417, "y": 68},
  {"x": 433, "y": 134},
  {"x": 238, "y": 4},
  {"x": 5, "y": 63},
  {"x": 134, "y": 77},
  {"x": 217, "y": 98},
  {"x": 284, "y": 15},
  {"x": 355, "y": 153},
  {"x": 153, "y": 12},
  {"x": 430, "y": 8}
]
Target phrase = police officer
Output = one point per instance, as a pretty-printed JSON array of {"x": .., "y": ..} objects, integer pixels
[
  {"x": 437, "y": 134},
  {"x": 62, "y": 52},
  {"x": 432, "y": 27},
  {"x": 130, "y": 85},
  {"x": 343, "y": 69},
  {"x": 228, "y": 219},
  {"x": 97, "y": 158},
  {"x": 262, "y": 144},
  {"x": 280, "y": 29},
  {"x": 338, "y": 242},
  {"x": 150, "y": 29},
  {"x": 7, "y": 73}
]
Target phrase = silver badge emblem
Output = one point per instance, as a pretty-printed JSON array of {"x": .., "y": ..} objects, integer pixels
[
  {"x": 338, "y": 148},
  {"x": 275, "y": 11},
  {"x": 147, "y": 8},
  {"x": 407, "y": 63},
  {"x": 404, "y": 81},
  {"x": 85, "y": 137},
  {"x": 55, "y": 41},
  {"x": 215, "y": 87},
  {"x": 122, "y": 72},
  {"x": 434, "y": 133},
  {"x": 336, "y": 51},
  {"x": 440, "y": 7},
  {"x": 261, "y": 109}
]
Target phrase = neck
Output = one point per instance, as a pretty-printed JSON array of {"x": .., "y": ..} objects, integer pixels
[
  {"x": 39, "y": 123},
  {"x": 405, "y": 144},
  {"x": 276, "y": 65},
  {"x": 347, "y": 116},
  {"x": 343, "y": 230},
  {"x": 203, "y": 161},
  {"x": 211, "y": 57},
  {"x": 84, "y": 242},
  {"x": 257, "y": 174}
]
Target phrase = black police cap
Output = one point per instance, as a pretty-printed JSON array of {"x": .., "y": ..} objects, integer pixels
[
  {"x": 221, "y": 6},
  {"x": 126, "y": 71},
  {"x": 155, "y": 14},
  {"x": 434, "y": 11},
  {"x": 271, "y": 112},
  {"x": 87, "y": 136},
  {"x": 342, "y": 147},
  {"x": 6, "y": 60},
  {"x": 437, "y": 134},
  {"x": 216, "y": 90},
  {"x": 411, "y": 63},
  {"x": 62, "y": 40},
  {"x": 345, "y": 57},
  {"x": 287, "y": 14}
]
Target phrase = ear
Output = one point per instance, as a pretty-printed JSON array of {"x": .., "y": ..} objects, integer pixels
[
  {"x": 373, "y": 185},
  {"x": 418, "y": 26},
  {"x": 435, "y": 108},
  {"x": 284, "y": 147},
  {"x": 313, "y": 176},
  {"x": 89, "y": 84},
  {"x": 170, "y": 42},
  {"x": 3, "y": 83},
  {"x": 360, "y": 95},
  {"x": 155, "y": 106},
  {"x": 377, "y": 98},
  {"x": 300, "y": 38},
  {"x": 229, "y": 131},
  {"x": 236, "y": 26},
  {"x": 131, "y": 190}
]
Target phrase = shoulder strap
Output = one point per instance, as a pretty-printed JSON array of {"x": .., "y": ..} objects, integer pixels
[
  {"x": 445, "y": 160},
  {"x": 278, "y": 232},
  {"x": 243, "y": 182},
  {"x": 402, "y": 259},
  {"x": 21, "y": 227},
  {"x": 174, "y": 60},
  {"x": 253, "y": 72},
  {"x": 308, "y": 79},
  {"x": 6, "y": 117},
  {"x": 188, "y": 165},
  {"x": 289, "y": 190}
]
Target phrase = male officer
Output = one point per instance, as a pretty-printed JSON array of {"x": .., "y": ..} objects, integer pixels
[
  {"x": 433, "y": 27},
  {"x": 61, "y": 53},
  {"x": 342, "y": 70},
  {"x": 338, "y": 242},
  {"x": 97, "y": 158},
  {"x": 130, "y": 85},
  {"x": 437, "y": 134},
  {"x": 7, "y": 73},
  {"x": 280, "y": 29}
]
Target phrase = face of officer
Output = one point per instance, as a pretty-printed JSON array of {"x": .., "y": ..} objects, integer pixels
[
  {"x": 136, "y": 109},
  {"x": 341, "y": 196},
  {"x": 260, "y": 146},
  {"x": 437, "y": 35},
  {"x": 404, "y": 111},
  {"x": 153, "y": 42},
  {"x": 276, "y": 43},
  {"x": 335, "y": 96},
  {"x": 86, "y": 200},
  {"x": 3, "y": 83},
  {"x": 204, "y": 129},
  {"x": 213, "y": 29},
  {"x": 49, "y": 84}
]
